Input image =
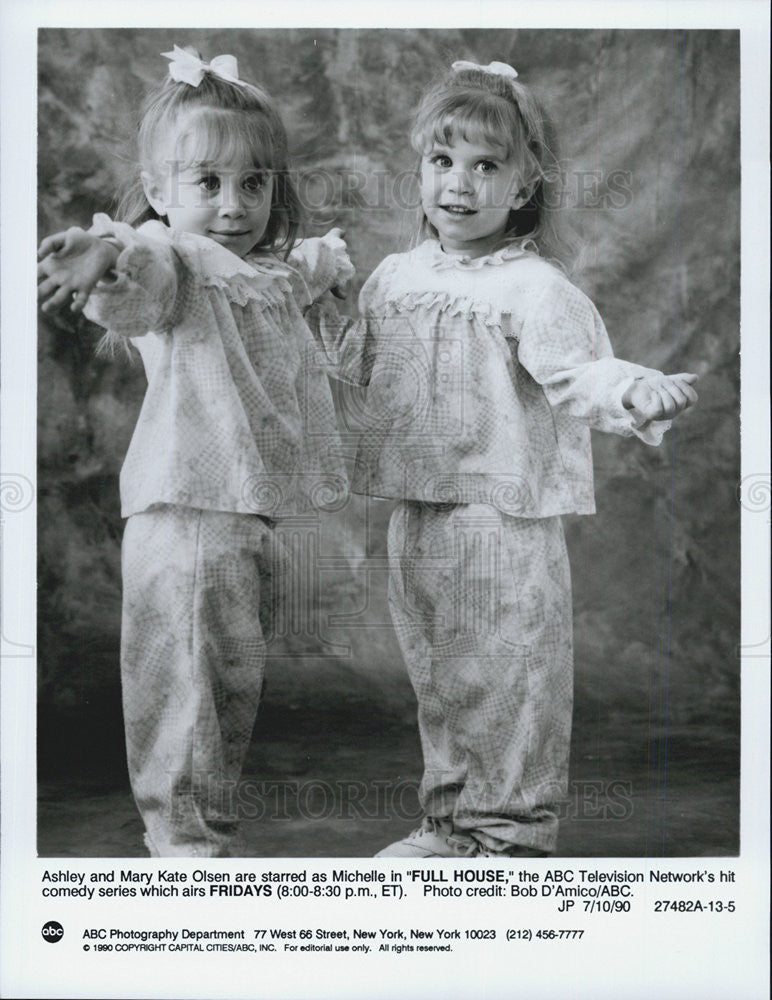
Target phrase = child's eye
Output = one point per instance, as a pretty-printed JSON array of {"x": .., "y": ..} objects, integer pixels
[
  {"x": 441, "y": 160},
  {"x": 254, "y": 182},
  {"x": 209, "y": 183},
  {"x": 486, "y": 167}
]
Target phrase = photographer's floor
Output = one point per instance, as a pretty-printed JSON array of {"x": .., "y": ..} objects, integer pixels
[{"x": 342, "y": 781}]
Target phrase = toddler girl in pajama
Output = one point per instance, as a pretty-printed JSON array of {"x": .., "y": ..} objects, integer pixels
[
  {"x": 237, "y": 428},
  {"x": 486, "y": 370}
]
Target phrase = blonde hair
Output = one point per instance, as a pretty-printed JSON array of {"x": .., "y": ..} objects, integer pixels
[
  {"x": 472, "y": 104},
  {"x": 213, "y": 120}
]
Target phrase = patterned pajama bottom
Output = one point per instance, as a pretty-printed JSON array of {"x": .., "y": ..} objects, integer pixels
[
  {"x": 199, "y": 596},
  {"x": 481, "y": 603}
]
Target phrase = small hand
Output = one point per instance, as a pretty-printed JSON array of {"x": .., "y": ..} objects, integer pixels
[
  {"x": 71, "y": 263},
  {"x": 341, "y": 290},
  {"x": 660, "y": 397}
]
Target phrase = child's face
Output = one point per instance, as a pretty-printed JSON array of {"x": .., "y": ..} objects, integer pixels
[
  {"x": 227, "y": 200},
  {"x": 468, "y": 190}
]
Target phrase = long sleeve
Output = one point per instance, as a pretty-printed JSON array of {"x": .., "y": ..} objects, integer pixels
[
  {"x": 564, "y": 346},
  {"x": 144, "y": 293}
]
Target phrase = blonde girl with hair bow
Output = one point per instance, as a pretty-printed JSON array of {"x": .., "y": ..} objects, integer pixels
[
  {"x": 237, "y": 428},
  {"x": 486, "y": 370}
]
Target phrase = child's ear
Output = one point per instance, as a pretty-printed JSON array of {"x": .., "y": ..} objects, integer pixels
[{"x": 154, "y": 193}]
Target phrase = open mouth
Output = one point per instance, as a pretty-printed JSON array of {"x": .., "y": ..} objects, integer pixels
[{"x": 459, "y": 210}]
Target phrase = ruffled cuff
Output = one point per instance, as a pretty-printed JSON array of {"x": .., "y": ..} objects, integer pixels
[
  {"x": 121, "y": 234},
  {"x": 140, "y": 297},
  {"x": 323, "y": 263},
  {"x": 343, "y": 269}
]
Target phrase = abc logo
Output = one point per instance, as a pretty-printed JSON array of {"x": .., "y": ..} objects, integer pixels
[{"x": 52, "y": 932}]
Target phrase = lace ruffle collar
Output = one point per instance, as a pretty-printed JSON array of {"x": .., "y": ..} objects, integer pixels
[
  {"x": 436, "y": 257},
  {"x": 218, "y": 261},
  {"x": 222, "y": 263}
]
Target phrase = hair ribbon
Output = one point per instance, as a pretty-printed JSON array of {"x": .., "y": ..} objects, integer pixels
[
  {"x": 494, "y": 68},
  {"x": 184, "y": 67}
]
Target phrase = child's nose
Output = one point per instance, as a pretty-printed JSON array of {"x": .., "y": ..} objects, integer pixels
[
  {"x": 231, "y": 201},
  {"x": 461, "y": 181}
]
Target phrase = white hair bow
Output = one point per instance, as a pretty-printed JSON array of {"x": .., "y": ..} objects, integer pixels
[
  {"x": 494, "y": 68},
  {"x": 184, "y": 67}
]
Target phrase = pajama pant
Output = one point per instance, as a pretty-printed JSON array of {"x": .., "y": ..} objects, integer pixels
[
  {"x": 481, "y": 604},
  {"x": 199, "y": 596}
]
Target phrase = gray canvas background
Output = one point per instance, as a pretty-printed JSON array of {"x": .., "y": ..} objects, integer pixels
[{"x": 650, "y": 127}]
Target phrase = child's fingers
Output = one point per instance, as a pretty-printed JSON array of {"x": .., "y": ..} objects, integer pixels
[
  {"x": 79, "y": 300},
  {"x": 48, "y": 245},
  {"x": 679, "y": 388},
  {"x": 51, "y": 244},
  {"x": 671, "y": 401},
  {"x": 673, "y": 398},
  {"x": 657, "y": 402},
  {"x": 665, "y": 397},
  {"x": 684, "y": 383},
  {"x": 47, "y": 287},
  {"x": 691, "y": 395},
  {"x": 58, "y": 299},
  {"x": 646, "y": 404},
  {"x": 656, "y": 407},
  {"x": 43, "y": 271}
]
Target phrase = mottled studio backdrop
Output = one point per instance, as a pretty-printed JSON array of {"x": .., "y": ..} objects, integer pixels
[{"x": 650, "y": 124}]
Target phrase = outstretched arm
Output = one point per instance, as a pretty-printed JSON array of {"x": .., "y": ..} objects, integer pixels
[
  {"x": 71, "y": 264},
  {"x": 564, "y": 346},
  {"x": 127, "y": 281}
]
